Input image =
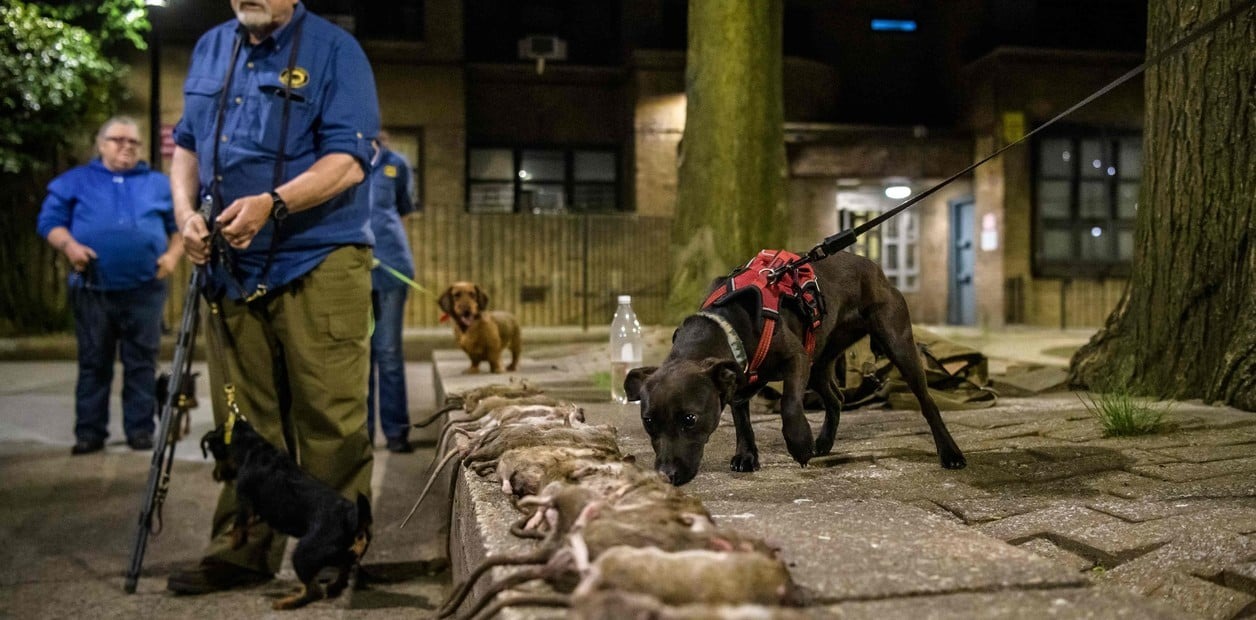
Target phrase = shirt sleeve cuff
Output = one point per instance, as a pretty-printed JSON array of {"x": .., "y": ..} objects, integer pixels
[{"x": 359, "y": 148}]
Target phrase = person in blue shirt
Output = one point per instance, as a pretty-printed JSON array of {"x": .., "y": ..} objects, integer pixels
[
  {"x": 390, "y": 201},
  {"x": 278, "y": 117},
  {"x": 113, "y": 220}
]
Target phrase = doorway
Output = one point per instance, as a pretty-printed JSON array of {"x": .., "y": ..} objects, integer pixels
[{"x": 961, "y": 307}]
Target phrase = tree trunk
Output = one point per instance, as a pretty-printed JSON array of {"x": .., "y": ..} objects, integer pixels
[
  {"x": 1186, "y": 326},
  {"x": 731, "y": 195}
]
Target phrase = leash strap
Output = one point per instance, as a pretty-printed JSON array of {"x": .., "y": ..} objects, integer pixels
[
  {"x": 219, "y": 319},
  {"x": 221, "y": 248},
  {"x": 400, "y": 276}
]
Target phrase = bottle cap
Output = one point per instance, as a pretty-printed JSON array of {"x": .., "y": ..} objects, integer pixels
[{"x": 625, "y": 299}]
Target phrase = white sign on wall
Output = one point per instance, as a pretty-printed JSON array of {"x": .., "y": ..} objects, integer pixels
[{"x": 989, "y": 233}]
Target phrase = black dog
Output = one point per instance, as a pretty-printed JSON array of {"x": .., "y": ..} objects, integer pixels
[
  {"x": 682, "y": 399},
  {"x": 270, "y": 487}
]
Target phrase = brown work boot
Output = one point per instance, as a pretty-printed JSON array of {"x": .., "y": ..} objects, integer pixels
[{"x": 212, "y": 575}]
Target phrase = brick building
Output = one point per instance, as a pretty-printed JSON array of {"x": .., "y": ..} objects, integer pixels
[{"x": 544, "y": 136}]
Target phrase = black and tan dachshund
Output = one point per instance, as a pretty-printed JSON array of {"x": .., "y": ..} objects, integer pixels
[{"x": 271, "y": 487}]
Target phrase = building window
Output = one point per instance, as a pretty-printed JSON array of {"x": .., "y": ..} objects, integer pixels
[
  {"x": 894, "y": 245},
  {"x": 541, "y": 180},
  {"x": 1085, "y": 197},
  {"x": 900, "y": 239}
]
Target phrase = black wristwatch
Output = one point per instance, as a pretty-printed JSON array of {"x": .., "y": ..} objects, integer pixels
[{"x": 278, "y": 208}]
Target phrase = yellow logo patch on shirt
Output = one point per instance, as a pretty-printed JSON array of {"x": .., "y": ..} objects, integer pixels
[
  {"x": 390, "y": 171},
  {"x": 298, "y": 78}
]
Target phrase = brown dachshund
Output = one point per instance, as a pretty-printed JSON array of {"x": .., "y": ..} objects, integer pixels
[{"x": 481, "y": 333}]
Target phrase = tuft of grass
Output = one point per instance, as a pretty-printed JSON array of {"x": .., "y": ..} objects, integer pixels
[
  {"x": 602, "y": 379},
  {"x": 1122, "y": 415}
]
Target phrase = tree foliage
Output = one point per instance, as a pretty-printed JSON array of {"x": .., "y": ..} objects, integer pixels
[
  {"x": 57, "y": 76},
  {"x": 60, "y": 77}
]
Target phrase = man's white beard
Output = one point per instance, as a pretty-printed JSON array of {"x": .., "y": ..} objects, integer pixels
[{"x": 255, "y": 19}]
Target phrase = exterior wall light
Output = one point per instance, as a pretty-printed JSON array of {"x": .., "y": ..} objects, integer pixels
[{"x": 897, "y": 192}]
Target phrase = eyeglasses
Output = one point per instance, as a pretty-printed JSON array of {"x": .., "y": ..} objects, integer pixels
[{"x": 123, "y": 141}]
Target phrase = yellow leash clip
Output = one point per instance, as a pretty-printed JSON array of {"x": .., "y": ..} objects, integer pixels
[{"x": 233, "y": 413}]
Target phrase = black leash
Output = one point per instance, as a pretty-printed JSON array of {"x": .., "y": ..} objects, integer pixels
[
  {"x": 220, "y": 248},
  {"x": 846, "y": 238}
]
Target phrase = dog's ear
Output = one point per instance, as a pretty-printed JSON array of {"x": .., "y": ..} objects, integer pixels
[
  {"x": 481, "y": 298},
  {"x": 446, "y": 301},
  {"x": 635, "y": 379},
  {"x": 727, "y": 377}
]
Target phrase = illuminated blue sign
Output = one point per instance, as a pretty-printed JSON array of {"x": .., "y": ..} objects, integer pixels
[{"x": 894, "y": 25}]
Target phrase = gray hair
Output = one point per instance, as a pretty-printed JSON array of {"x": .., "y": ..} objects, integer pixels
[{"x": 116, "y": 120}]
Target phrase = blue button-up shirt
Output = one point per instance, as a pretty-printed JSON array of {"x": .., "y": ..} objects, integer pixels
[
  {"x": 389, "y": 191},
  {"x": 125, "y": 217},
  {"x": 333, "y": 109}
]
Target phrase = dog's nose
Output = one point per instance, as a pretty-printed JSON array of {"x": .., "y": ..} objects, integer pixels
[{"x": 670, "y": 470}]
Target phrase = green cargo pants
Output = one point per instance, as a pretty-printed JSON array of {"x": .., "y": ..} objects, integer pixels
[{"x": 299, "y": 364}]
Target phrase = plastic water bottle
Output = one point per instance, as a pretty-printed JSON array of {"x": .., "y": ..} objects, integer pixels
[{"x": 626, "y": 347}]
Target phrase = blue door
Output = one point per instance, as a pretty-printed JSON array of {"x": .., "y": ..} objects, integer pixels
[{"x": 962, "y": 299}]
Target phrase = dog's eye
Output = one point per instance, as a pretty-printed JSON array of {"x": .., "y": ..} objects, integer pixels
[
  {"x": 647, "y": 422},
  {"x": 690, "y": 420}
]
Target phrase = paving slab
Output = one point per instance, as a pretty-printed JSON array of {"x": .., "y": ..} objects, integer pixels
[
  {"x": 1202, "y": 599},
  {"x": 871, "y": 549},
  {"x": 1051, "y": 551},
  {"x": 1241, "y": 577},
  {"x": 1072, "y": 603}
]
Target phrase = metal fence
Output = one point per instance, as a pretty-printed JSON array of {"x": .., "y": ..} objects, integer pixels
[{"x": 547, "y": 269}]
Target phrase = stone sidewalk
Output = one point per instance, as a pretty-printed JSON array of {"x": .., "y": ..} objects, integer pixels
[{"x": 1049, "y": 519}]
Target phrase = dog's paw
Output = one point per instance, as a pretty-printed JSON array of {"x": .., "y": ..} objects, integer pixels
[
  {"x": 745, "y": 462},
  {"x": 823, "y": 446},
  {"x": 953, "y": 461}
]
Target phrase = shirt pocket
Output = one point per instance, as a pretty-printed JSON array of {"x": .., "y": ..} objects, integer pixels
[
  {"x": 270, "y": 129},
  {"x": 200, "y": 102}
]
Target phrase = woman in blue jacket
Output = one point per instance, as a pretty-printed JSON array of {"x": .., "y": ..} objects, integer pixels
[{"x": 114, "y": 221}]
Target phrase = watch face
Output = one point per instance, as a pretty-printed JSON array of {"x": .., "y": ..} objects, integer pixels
[{"x": 278, "y": 208}]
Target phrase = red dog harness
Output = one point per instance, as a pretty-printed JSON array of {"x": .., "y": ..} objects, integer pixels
[{"x": 798, "y": 283}]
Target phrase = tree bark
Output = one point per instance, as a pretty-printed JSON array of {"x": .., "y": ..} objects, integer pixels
[
  {"x": 1186, "y": 326},
  {"x": 731, "y": 194}
]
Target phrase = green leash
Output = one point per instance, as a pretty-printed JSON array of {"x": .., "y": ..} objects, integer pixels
[{"x": 400, "y": 276}]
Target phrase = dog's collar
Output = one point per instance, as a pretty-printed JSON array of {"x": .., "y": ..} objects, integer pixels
[{"x": 734, "y": 341}]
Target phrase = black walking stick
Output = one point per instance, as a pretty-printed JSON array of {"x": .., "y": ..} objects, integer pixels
[{"x": 173, "y": 411}]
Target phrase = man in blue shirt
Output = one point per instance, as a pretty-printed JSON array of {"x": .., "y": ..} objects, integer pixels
[
  {"x": 390, "y": 200},
  {"x": 113, "y": 220},
  {"x": 279, "y": 113}
]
